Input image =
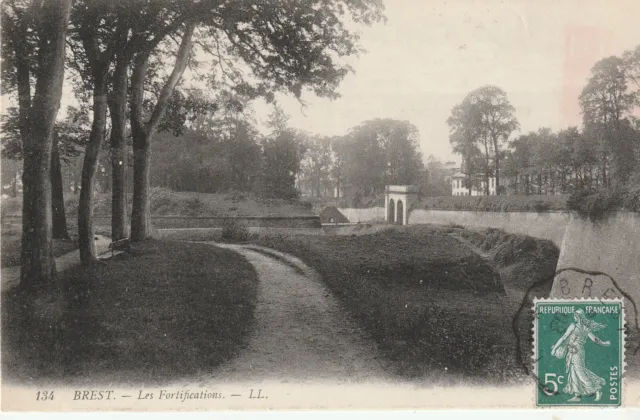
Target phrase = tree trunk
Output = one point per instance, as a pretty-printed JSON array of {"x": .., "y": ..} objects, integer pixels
[
  {"x": 118, "y": 108},
  {"x": 497, "y": 171},
  {"x": 487, "y": 168},
  {"x": 539, "y": 178},
  {"x": 36, "y": 259},
  {"x": 142, "y": 132},
  {"x": 37, "y": 263},
  {"x": 14, "y": 185},
  {"x": 86, "y": 239},
  {"x": 140, "y": 215},
  {"x": 57, "y": 196},
  {"x": 604, "y": 169}
]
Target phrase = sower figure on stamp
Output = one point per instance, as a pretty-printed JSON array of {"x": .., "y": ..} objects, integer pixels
[{"x": 580, "y": 380}]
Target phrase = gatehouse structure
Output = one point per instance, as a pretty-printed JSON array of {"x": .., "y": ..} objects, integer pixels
[{"x": 397, "y": 202}]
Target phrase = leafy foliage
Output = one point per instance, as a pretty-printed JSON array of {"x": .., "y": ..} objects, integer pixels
[
  {"x": 282, "y": 154},
  {"x": 234, "y": 231},
  {"x": 380, "y": 152},
  {"x": 495, "y": 203},
  {"x": 599, "y": 204},
  {"x": 607, "y": 103},
  {"x": 481, "y": 124}
]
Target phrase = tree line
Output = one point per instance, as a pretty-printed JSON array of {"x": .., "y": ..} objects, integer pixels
[
  {"x": 227, "y": 152},
  {"x": 359, "y": 164},
  {"x": 128, "y": 60},
  {"x": 603, "y": 153}
]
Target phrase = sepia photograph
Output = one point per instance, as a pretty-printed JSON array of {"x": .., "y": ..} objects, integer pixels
[{"x": 214, "y": 205}]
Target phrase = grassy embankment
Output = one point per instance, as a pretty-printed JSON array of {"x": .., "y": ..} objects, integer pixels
[
  {"x": 169, "y": 310},
  {"x": 434, "y": 306},
  {"x": 163, "y": 203}
]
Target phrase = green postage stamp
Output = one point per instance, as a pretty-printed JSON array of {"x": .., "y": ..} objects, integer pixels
[{"x": 578, "y": 349}]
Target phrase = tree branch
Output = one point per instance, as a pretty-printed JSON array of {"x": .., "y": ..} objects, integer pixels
[{"x": 182, "y": 60}]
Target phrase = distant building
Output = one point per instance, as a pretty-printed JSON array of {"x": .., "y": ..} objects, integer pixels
[
  {"x": 451, "y": 165},
  {"x": 458, "y": 185}
]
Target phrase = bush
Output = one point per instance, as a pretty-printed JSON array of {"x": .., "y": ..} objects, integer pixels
[
  {"x": 598, "y": 204},
  {"x": 631, "y": 198},
  {"x": 499, "y": 203},
  {"x": 161, "y": 200},
  {"x": 235, "y": 231},
  {"x": 194, "y": 207}
]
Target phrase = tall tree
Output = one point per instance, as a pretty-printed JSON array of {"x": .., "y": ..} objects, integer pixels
[
  {"x": 19, "y": 45},
  {"x": 563, "y": 157},
  {"x": 279, "y": 46},
  {"x": 606, "y": 102},
  {"x": 47, "y": 22},
  {"x": 142, "y": 131},
  {"x": 631, "y": 62},
  {"x": 521, "y": 158},
  {"x": 282, "y": 151},
  {"x": 338, "y": 169},
  {"x": 380, "y": 152},
  {"x": 497, "y": 121},
  {"x": 98, "y": 30},
  {"x": 316, "y": 165},
  {"x": 117, "y": 109},
  {"x": 465, "y": 134}
]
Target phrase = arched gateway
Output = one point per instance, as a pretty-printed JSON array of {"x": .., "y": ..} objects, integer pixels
[
  {"x": 398, "y": 200},
  {"x": 391, "y": 211}
]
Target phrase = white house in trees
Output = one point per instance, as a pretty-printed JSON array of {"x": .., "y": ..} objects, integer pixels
[{"x": 458, "y": 185}]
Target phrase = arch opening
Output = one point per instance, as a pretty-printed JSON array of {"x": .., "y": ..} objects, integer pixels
[{"x": 400, "y": 213}]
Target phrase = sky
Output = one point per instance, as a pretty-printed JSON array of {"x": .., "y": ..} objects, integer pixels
[{"x": 431, "y": 53}]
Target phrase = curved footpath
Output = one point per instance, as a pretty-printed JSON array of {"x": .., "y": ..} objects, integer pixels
[{"x": 301, "y": 334}]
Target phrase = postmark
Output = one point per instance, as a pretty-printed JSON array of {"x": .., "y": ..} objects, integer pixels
[{"x": 578, "y": 352}]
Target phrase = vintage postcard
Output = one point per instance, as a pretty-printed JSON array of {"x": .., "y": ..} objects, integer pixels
[{"x": 236, "y": 205}]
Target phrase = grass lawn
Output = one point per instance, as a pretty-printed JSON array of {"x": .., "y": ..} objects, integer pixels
[
  {"x": 434, "y": 307},
  {"x": 170, "y": 310},
  {"x": 12, "y": 240}
]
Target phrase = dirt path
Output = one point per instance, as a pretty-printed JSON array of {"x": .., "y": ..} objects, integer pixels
[{"x": 301, "y": 334}]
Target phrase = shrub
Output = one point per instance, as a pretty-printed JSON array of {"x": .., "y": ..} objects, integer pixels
[
  {"x": 595, "y": 205},
  {"x": 235, "y": 231},
  {"x": 598, "y": 204},
  {"x": 161, "y": 200},
  {"x": 631, "y": 198},
  {"x": 194, "y": 207},
  {"x": 499, "y": 203}
]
